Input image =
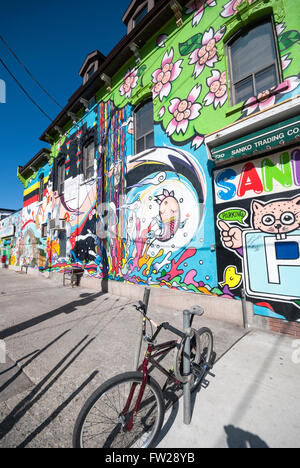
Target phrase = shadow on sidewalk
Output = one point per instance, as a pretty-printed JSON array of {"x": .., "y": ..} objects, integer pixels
[
  {"x": 237, "y": 438},
  {"x": 43, "y": 387},
  {"x": 65, "y": 309}
]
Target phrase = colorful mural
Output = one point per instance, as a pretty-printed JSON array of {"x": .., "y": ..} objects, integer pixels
[
  {"x": 258, "y": 219},
  {"x": 10, "y": 238},
  {"x": 166, "y": 216}
]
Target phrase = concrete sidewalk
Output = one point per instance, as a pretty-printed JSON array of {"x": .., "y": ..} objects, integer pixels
[
  {"x": 62, "y": 343},
  {"x": 251, "y": 401}
]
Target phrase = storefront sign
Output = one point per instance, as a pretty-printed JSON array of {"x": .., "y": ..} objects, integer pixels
[
  {"x": 262, "y": 141},
  {"x": 276, "y": 173}
]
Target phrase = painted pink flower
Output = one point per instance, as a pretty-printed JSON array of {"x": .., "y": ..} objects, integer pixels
[
  {"x": 231, "y": 7},
  {"x": 197, "y": 141},
  {"x": 217, "y": 89},
  {"x": 199, "y": 7},
  {"x": 163, "y": 76},
  {"x": 207, "y": 54},
  {"x": 269, "y": 97},
  {"x": 129, "y": 83},
  {"x": 183, "y": 111}
]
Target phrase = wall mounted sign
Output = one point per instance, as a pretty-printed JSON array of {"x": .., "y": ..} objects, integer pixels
[{"x": 267, "y": 139}]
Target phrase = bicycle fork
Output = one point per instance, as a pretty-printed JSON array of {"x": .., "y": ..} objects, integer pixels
[{"x": 129, "y": 425}]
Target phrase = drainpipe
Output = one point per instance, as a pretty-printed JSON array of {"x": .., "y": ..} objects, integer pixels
[{"x": 244, "y": 308}]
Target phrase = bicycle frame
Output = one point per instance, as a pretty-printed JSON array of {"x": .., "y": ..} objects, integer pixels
[{"x": 149, "y": 358}]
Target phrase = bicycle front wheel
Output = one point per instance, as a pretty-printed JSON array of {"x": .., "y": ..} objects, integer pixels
[{"x": 105, "y": 419}]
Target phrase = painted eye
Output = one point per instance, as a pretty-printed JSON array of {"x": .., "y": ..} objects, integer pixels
[
  {"x": 268, "y": 220},
  {"x": 288, "y": 218}
]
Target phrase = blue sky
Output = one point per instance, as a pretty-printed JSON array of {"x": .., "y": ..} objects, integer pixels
[{"x": 52, "y": 39}]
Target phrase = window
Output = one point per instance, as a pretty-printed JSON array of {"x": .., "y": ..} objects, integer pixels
[
  {"x": 41, "y": 188},
  {"x": 44, "y": 230},
  {"x": 90, "y": 72},
  {"x": 253, "y": 62},
  {"x": 88, "y": 160},
  {"x": 141, "y": 14},
  {"x": 144, "y": 133},
  {"x": 61, "y": 178},
  {"x": 62, "y": 237}
]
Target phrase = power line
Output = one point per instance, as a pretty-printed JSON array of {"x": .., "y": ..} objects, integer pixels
[
  {"x": 24, "y": 91},
  {"x": 28, "y": 72}
]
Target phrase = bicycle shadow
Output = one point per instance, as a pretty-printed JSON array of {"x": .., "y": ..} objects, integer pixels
[{"x": 172, "y": 393}]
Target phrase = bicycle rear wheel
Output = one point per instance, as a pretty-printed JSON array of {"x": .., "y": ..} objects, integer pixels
[
  {"x": 103, "y": 423},
  {"x": 200, "y": 358}
]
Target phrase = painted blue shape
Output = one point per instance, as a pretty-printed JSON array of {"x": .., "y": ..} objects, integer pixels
[
  {"x": 287, "y": 250},
  {"x": 266, "y": 312}
]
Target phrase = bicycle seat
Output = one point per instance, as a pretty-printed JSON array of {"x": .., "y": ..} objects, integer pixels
[{"x": 195, "y": 310}]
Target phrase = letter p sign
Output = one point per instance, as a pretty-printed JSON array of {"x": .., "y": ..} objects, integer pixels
[
  {"x": 2, "y": 92},
  {"x": 2, "y": 352}
]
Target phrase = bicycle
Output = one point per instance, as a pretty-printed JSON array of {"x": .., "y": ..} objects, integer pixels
[{"x": 128, "y": 409}]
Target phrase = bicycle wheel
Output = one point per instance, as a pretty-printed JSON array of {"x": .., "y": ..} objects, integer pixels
[
  {"x": 103, "y": 420},
  {"x": 200, "y": 357}
]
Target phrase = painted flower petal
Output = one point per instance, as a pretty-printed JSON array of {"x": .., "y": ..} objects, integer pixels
[
  {"x": 212, "y": 61},
  {"x": 220, "y": 33},
  {"x": 135, "y": 80},
  {"x": 165, "y": 91},
  {"x": 292, "y": 82},
  {"x": 198, "y": 16},
  {"x": 168, "y": 57},
  {"x": 207, "y": 36},
  {"x": 182, "y": 126},
  {"x": 194, "y": 94},
  {"x": 285, "y": 61},
  {"x": 209, "y": 99},
  {"x": 154, "y": 93},
  {"x": 194, "y": 57},
  {"x": 250, "y": 105},
  {"x": 197, "y": 141},
  {"x": 267, "y": 103},
  {"x": 215, "y": 75},
  {"x": 155, "y": 75},
  {"x": 173, "y": 105},
  {"x": 176, "y": 70},
  {"x": 228, "y": 9},
  {"x": 195, "y": 111},
  {"x": 220, "y": 101},
  {"x": 171, "y": 128},
  {"x": 198, "y": 69},
  {"x": 162, "y": 112}
]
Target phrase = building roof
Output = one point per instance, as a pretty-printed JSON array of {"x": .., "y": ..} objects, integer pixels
[
  {"x": 92, "y": 57},
  {"x": 41, "y": 156}
]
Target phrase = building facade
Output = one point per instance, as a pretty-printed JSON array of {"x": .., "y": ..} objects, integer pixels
[
  {"x": 10, "y": 238},
  {"x": 176, "y": 164}
]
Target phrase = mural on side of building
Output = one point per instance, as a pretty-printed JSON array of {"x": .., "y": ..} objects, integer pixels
[
  {"x": 163, "y": 241},
  {"x": 148, "y": 218},
  {"x": 10, "y": 238},
  {"x": 257, "y": 208}
]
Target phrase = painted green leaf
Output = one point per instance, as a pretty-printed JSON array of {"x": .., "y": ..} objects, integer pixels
[
  {"x": 288, "y": 39},
  {"x": 186, "y": 48},
  {"x": 141, "y": 70}
]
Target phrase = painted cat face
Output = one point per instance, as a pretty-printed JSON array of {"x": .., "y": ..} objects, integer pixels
[{"x": 279, "y": 217}]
